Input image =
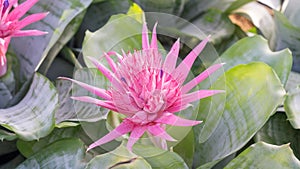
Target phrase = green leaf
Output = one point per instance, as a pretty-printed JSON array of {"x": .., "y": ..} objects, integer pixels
[
  {"x": 136, "y": 12},
  {"x": 159, "y": 158},
  {"x": 291, "y": 11},
  {"x": 237, "y": 4},
  {"x": 253, "y": 92},
  {"x": 88, "y": 111},
  {"x": 287, "y": 36},
  {"x": 33, "y": 117},
  {"x": 186, "y": 148},
  {"x": 61, "y": 24},
  {"x": 110, "y": 38},
  {"x": 120, "y": 158},
  {"x": 28, "y": 148},
  {"x": 279, "y": 131},
  {"x": 292, "y": 107},
  {"x": 263, "y": 155},
  {"x": 68, "y": 153},
  {"x": 252, "y": 49},
  {"x": 66, "y": 108}
]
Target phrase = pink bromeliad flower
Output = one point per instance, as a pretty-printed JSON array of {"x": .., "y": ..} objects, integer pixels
[
  {"x": 148, "y": 90},
  {"x": 11, "y": 25}
]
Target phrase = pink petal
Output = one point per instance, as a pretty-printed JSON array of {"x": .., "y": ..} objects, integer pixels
[
  {"x": 20, "y": 10},
  {"x": 200, "y": 94},
  {"x": 28, "y": 33},
  {"x": 107, "y": 73},
  {"x": 171, "y": 119},
  {"x": 136, "y": 133},
  {"x": 154, "y": 38},
  {"x": 178, "y": 108},
  {"x": 31, "y": 19},
  {"x": 157, "y": 131},
  {"x": 110, "y": 62},
  {"x": 125, "y": 127},
  {"x": 105, "y": 104},
  {"x": 171, "y": 58},
  {"x": 187, "y": 87},
  {"x": 98, "y": 91},
  {"x": 182, "y": 71},
  {"x": 145, "y": 40},
  {"x": 120, "y": 57}
]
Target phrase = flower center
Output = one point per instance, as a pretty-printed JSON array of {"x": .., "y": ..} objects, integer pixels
[{"x": 147, "y": 90}]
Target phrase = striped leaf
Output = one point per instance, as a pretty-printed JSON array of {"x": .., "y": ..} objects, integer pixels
[{"x": 33, "y": 117}]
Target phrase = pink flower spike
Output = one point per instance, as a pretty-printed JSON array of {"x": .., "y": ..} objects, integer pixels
[
  {"x": 28, "y": 33},
  {"x": 157, "y": 131},
  {"x": 174, "y": 120},
  {"x": 31, "y": 19},
  {"x": 107, "y": 73},
  {"x": 154, "y": 38},
  {"x": 21, "y": 9},
  {"x": 190, "y": 85},
  {"x": 197, "y": 95},
  {"x": 145, "y": 40},
  {"x": 136, "y": 133},
  {"x": 111, "y": 63},
  {"x": 125, "y": 127},
  {"x": 182, "y": 71},
  {"x": 171, "y": 58},
  {"x": 101, "y": 103},
  {"x": 97, "y": 91}
]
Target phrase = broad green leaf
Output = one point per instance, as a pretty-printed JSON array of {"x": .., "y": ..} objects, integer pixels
[
  {"x": 253, "y": 49},
  {"x": 120, "y": 158},
  {"x": 237, "y": 4},
  {"x": 279, "y": 131},
  {"x": 33, "y": 117},
  {"x": 28, "y": 148},
  {"x": 287, "y": 36},
  {"x": 88, "y": 111},
  {"x": 110, "y": 38},
  {"x": 263, "y": 155},
  {"x": 68, "y": 153},
  {"x": 292, "y": 107},
  {"x": 93, "y": 131},
  {"x": 186, "y": 148},
  {"x": 61, "y": 24},
  {"x": 291, "y": 11},
  {"x": 66, "y": 108},
  {"x": 159, "y": 158},
  {"x": 98, "y": 14},
  {"x": 136, "y": 12},
  {"x": 253, "y": 92}
]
